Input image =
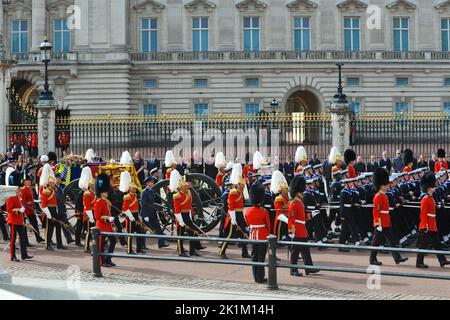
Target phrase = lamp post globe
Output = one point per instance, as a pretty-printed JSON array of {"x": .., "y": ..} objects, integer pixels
[{"x": 46, "y": 49}]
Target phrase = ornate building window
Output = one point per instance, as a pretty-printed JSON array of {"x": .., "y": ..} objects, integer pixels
[
  {"x": 201, "y": 109},
  {"x": 401, "y": 34},
  {"x": 149, "y": 35},
  {"x": 150, "y": 109},
  {"x": 62, "y": 36},
  {"x": 19, "y": 36},
  {"x": 445, "y": 32},
  {"x": 200, "y": 34},
  {"x": 302, "y": 33},
  {"x": 252, "y": 108},
  {"x": 251, "y": 33},
  {"x": 352, "y": 34}
]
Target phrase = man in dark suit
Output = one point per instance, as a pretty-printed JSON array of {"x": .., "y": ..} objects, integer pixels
[
  {"x": 210, "y": 169},
  {"x": 360, "y": 166},
  {"x": 372, "y": 165},
  {"x": 288, "y": 169},
  {"x": 385, "y": 162},
  {"x": 153, "y": 162},
  {"x": 314, "y": 161},
  {"x": 397, "y": 163},
  {"x": 148, "y": 212},
  {"x": 422, "y": 163},
  {"x": 432, "y": 162},
  {"x": 62, "y": 210}
]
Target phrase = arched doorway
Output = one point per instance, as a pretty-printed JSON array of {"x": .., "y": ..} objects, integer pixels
[{"x": 300, "y": 100}]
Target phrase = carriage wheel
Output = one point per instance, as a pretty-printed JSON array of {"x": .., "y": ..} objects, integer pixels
[{"x": 71, "y": 192}]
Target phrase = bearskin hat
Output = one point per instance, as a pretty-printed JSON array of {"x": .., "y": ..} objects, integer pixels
[
  {"x": 257, "y": 194},
  {"x": 102, "y": 184},
  {"x": 408, "y": 156},
  {"x": 298, "y": 185},
  {"x": 428, "y": 181},
  {"x": 441, "y": 153},
  {"x": 349, "y": 156},
  {"x": 52, "y": 156},
  {"x": 380, "y": 178}
]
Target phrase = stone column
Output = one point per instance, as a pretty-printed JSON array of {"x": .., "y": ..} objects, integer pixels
[
  {"x": 5, "y": 81},
  {"x": 38, "y": 23},
  {"x": 340, "y": 125},
  {"x": 175, "y": 10},
  {"x": 46, "y": 125}
]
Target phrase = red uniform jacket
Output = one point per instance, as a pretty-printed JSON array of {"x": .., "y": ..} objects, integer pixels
[
  {"x": 182, "y": 203},
  {"x": 407, "y": 169},
  {"x": 13, "y": 205},
  {"x": 102, "y": 207},
  {"x": 219, "y": 179},
  {"x": 88, "y": 203},
  {"x": 258, "y": 220},
  {"x": 440, "y": 166},
  {"x": 34, "y": 140},
  {"x": 248, "y": 169},
  {"x": 297, "y": 218},
  {"x": 281, "y": 206},
  {"x": 428, "y": 214},
  {"x": 130, "y": 202},
  {"x": 48, "y": 198},
  {"x": 168, "y": 172},
  {"x": 381, "y": 211},
  {"x": 27, "y": 200},
  {"x": 351, "y": 172},
  {"x": 235, "y": 203}
]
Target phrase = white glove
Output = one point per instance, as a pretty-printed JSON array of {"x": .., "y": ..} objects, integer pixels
[
  {"x": 146, "y": 219},
  {"x": 90, "y": 216},
  {"x": 380, "y": 228},
  {"x": 291, "y": 235},
  {"x": 111, "y": 219},
  {"x": 47, "y": 213},
  {"x": 180, "y": 219},
  {"x": 129, "y": 215},
  {"x": 283, "y": 218},
  {"x": 233, "y": 217},
  {"x": 315, "y": 213},
  {"x": 22, "y": 210}
]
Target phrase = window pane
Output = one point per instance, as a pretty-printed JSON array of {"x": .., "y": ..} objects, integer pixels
[
  {"x": 255, "y": 22},
  {"x": 67, "y": 42},
  {"x": 405, "y": 41},
  {"x": 306, "y": 40},
  {"x": 402, "y": 81},
  {"x": 353, "y": 81},
  {"x": 58, "y": 24},
  {"x": 145, "y": 41},
  {"x": 252, "y": 82},
  {"x": 298, "y": 40},
  {"x": 201, "y": 109},
  {"x": 347, "y": 23},
  {"x": 145, "y": 24},
  {"x": 58, "y": 44},
  {"x": 445, "y": 40},
  {"x": 150, "y": 83},
  {"x": 204, "y": 22},
  {"x": 405, "y": 23},
  {"x": 447, "y": 81},
  {"x": 196, "y": 40},
  {"x": 195, "y": 23},
  {"x": 397, "y": 40},
  {"x": 444, "y": 23},
  {"x": 447, "y": 107},
  {"x": 255, "y": 40},
  {"x": 15, "y": 42},
  {"x": 251, "y": 108},
  {"x": 305, "y": 22},
  {"x": 201, "y": 83},
  {"x": 24, "y": 42},
  {"x": 247, "y": 40},
  {"x": 355, "y": 23},
  {"x": 355, "y": 40},
  {"x": 154, "y": 41},
  {"x": 154, "y": 23},
  {"x": 297, "y": 22},
  {"x": 205, "y": 40},
  {"x": 246, "y": 22},
  {"x": 347, "y": 40},
  {"x": 396, "y": 23},
  {"x": 150, "y": 109},
  {"x": 15, "y": 25},
  {"x": 24, "y": 25}
]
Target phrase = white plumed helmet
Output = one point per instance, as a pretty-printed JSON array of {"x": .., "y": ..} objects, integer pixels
[
  {"x": 278, "y": 182},
  {"x": 220, "y": 161},
  {"x": 257, "y": 160},
  {"x": 300, "y": 154},
  {"x": 125, "y": 181},
  {"x": 126, "y": 158},
  {"x": 236, "y": 174},
  {"x": 334, "y": 155},
  {"x": 90, "y": 155},
  {"x": 46, "y": 175},
  {"x": 85, "y": 178},
  {"x": 170, "y": 159}
]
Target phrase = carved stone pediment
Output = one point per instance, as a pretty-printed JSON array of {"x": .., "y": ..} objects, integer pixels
[
  {"x": 401, "y": 4},
  {"x": 198, "y": 4},
  {"x": 248, "y": 4},
  {"x": 145, "y": 4},
  {"x": 306, "y": 5},
  {"x": 349, "y": 4}
]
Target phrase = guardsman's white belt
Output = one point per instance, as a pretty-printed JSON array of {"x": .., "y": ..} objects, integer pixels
[
  {"x": 347, "y": 205},
  {"x": 431, "y": 215},
  {"x": 384, "y": 212},
  {"x": 300, "y": 221},
  {"x": 257, "y": 226}
]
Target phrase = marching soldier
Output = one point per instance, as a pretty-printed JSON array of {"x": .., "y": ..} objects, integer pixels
[
  {"x": 381, "y": 218},
  {"x": 335, "y": 160},
  {"x": 170, "y": 163},
  {"x": 349, "y": 227},
  {"x": 130, "y": 207},
  {"x": 235, "y": 226},
  {"x": 49, "y": 204},
  {"x": 26, "y": 194},
  {"x": 182, "y": 203},
  {"x": 15, "y": 219},
  {"x": 441, "y": 164},
  {"x": 220, "y": 164},
  {"x": 428, "y": 228},
  {"x": 224, "y": 200},
  {"x": 297, "y": 225},
  {"x": 103, "y": 218},
  {"x": 350, "y": 158},
  {"x": 280, "y": 190},
  {"x": 301, "y": 158},
  {"x": 148, "y": 212},
  {"x": 316, "y": 224},
  {"x": 86, "y": 183},
  {"x": 258, "y": 220}
]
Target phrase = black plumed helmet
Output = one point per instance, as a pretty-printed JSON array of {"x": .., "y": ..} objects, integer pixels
[
  {"x": 298, "y": 185},
  {"x": 408, "y": 156},
  {"x": 349, "y": 156},
  {"x": 52, "y": 156},
  {"x": 257, "y": 194},
  {"x": 102, "y": 184},
  {"x": 380, "y": 178},
  {"x": 427, "y": 181},
  {"x": 441, "y": 153}
]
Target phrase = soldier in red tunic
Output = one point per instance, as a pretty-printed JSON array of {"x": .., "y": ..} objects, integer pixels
[
  {"x": 28, "y": 203},
  {"x": 220, "y": 164},
  {"x": 182, "y": 203},
  {"x": 381, "y": 218},
  {"x": 130, "y": 207},
  {"x": 408, "y": 160},
  {"x": 103, "y": 218},
  {"x": 258, "y": 220},
  {"x": 15, "y": 219},
  {"x": 441, "y": 164},
  {"x": 86, "y": 183},
  {"x": 297, "y": 225},
  {"x": 428, "y": 227},
  {"x": 301, "y": 158},
  {"x": 235, "y": 226},
  {"x": 350, "y": 158},
  {"x": 280, "y": 189}
]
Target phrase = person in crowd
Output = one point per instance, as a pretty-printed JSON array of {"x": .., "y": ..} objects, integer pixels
[
  {"x": 422, "y": 163},
  {"x": 289, "y": 168},
  {"x": 360, "y": 166},
  {"x": 139, "y": 165},
  {"x": 372, "y": 165},
  {"x": 397, "y": 163},
  {"x": 153, "y": 162},
  {"x": 314, "y": 161},
  {"x": 385, "y": 162},
  {"x": 432, "y": 162}
]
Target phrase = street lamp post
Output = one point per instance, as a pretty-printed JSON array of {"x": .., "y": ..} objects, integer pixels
[
  {"x": 46, "y": 49},
  {"x": 274, "y": 106}
]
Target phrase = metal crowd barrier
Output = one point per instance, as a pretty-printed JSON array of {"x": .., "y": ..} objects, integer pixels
[{"x": 271, "y": 264}]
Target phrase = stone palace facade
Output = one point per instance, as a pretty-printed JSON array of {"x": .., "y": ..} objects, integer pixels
[{"x": 217, "y": 56}]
